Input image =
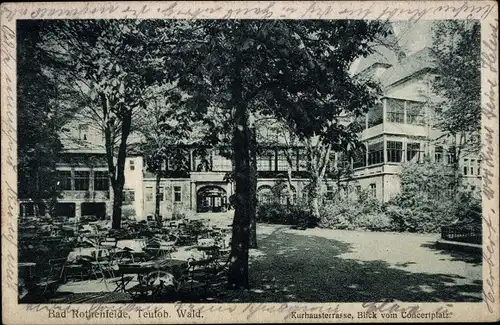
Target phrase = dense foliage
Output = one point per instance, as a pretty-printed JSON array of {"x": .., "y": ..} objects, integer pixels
[
  {"x": 456, "y": 91},
  {"x": 298, "y": 214},
  {"x": 39, "y": 118},
  {"x": 430, "y": 199},
  {"x": 354, "y": 211},
  {"x": 427, "y": 201},
  {"x": 107, "y": 65}
]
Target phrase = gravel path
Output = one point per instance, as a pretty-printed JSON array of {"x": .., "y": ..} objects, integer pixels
[{"x": 319, "y": 265}]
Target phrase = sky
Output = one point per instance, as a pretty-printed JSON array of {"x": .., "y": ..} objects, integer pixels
[{"x": 412, "y": 37}]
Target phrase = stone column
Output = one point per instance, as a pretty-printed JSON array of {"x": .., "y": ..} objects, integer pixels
[
  {"x": 192, "y": 166},
  {"x": 78, "y": 209},
  {"x": 385, "y": 148},
  {"x": 193, "y": 197}
]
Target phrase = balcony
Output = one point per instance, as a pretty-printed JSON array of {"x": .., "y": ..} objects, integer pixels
[
  {"x": 208, "y": 176},
  {"x": 86, "y": 195}
]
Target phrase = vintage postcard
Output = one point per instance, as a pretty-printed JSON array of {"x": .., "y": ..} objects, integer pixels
[{"x": 249, "y": 162}]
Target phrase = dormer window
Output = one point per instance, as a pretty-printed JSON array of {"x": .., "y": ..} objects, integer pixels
[{"x": 83, "y": 130}]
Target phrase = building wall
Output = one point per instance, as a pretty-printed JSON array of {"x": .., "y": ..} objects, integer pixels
[
  {"x": 414, "y": 88},
  {"x": 168, "y": 204},
  {"x": 81, "y": 197},
  {"x": 134, "y": 175}
]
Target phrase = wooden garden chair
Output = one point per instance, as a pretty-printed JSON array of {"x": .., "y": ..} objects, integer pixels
[{"x": 53, "y": 278}]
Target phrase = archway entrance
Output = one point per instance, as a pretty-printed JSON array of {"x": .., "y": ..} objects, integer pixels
[{"x": 211, "y": 199}]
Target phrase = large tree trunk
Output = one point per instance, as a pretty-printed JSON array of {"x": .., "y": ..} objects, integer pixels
[
  {"x": 238, "y": 269},
  {"x": 116, "y": 172},
  {"x": 289, "y": 185},
  {"x": 253, "y": 191},
  {"x": 314, "y": 196},
  {"x": 120, "y": 171}
]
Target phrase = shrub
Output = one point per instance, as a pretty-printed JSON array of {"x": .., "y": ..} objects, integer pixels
[
  {"x": 298, "y": 214},
  {"x": 374, "y": 222},
  {"x": 348, "y": 213},
  {"x": 467, "y": 207},
  {"x": 339, "y": 214},
  {"x": 426, "y": 202},
  {"x": 416, "y": 213},
  {"x": 128, "y": 213}
]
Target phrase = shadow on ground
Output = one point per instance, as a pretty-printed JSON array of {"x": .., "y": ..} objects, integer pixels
[
  {"x": 293, "y": 268},
  {"x": 467, "y": 257}
]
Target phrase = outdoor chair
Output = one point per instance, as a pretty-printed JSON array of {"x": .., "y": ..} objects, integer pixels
[
  {"x": 50, "y": 281},
  {"x": 72, "y": 270},
  {"x": 121, "y": 281},
  {"x": 204, "y": 274}
]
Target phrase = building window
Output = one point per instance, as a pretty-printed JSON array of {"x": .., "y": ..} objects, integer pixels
[
  {"x": 303, "y": 159},
  {"x": 265, "y": 161},
  {"x": 394, "y": 151},
  {"x": 329, "y": 192},
  {"x": 473, "y": 166},
  {"x": 479, "y": 167},
  {"x": 375, "y": 115},
  {"x": 161, "y": 194},
  {"x": 83, "y": 130},
  {"x": 413, "y": 152},
  {"x": 101, "y": 181},
  {"x": 131, "y": 164},
  {"x": 221, "y": 163},
  {"x": 466, "y": 166},
  {"x": 177, "y": 194},
  {"x": 82, "y": 180},
  {"x": 284, "y": 196},
  {"x": 283, "y": 163},
  {"x": 375, "y": 153},
  {"x": 128, "y": 196},
  {"x": 450, "y": 155},
  {"x": 438, "y": 154},
  {"x": 359, "y": 159},
  {"x": 373, "y": 190},
  {"x": 414, "y": 113},
  {"x": 149, "y": 194},
  {"x": 265, "y": 194},
  {"x": 395, "y": 110},
  {"x": 65, "y": 180},
  {"x": 343, "y": 161}
]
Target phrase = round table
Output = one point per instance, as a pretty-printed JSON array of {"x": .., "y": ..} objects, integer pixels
[{"x": 26, "y": 268}]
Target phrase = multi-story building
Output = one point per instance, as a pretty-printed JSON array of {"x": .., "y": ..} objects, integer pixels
[
  {"x": 402, "y": 127},
  {"x": 83, "y": 173}
]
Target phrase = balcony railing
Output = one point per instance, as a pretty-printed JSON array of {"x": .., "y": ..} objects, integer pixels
[{"x": 86, "y": 195}]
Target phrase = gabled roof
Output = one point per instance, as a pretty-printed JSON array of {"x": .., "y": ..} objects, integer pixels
[
  {"x": 382, "y": 56},
  {"x": 409, "y": 66},
  {"x": 74, "y": 145}
]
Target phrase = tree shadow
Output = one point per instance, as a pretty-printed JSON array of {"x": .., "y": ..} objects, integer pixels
[
  {"x": 293, "y": 269},
  {"x": 453, "y": 255}
]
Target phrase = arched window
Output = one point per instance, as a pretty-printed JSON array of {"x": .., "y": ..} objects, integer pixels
[
  {"x": 285, "y": 196},
  {"x": 265, "y": 194}
]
